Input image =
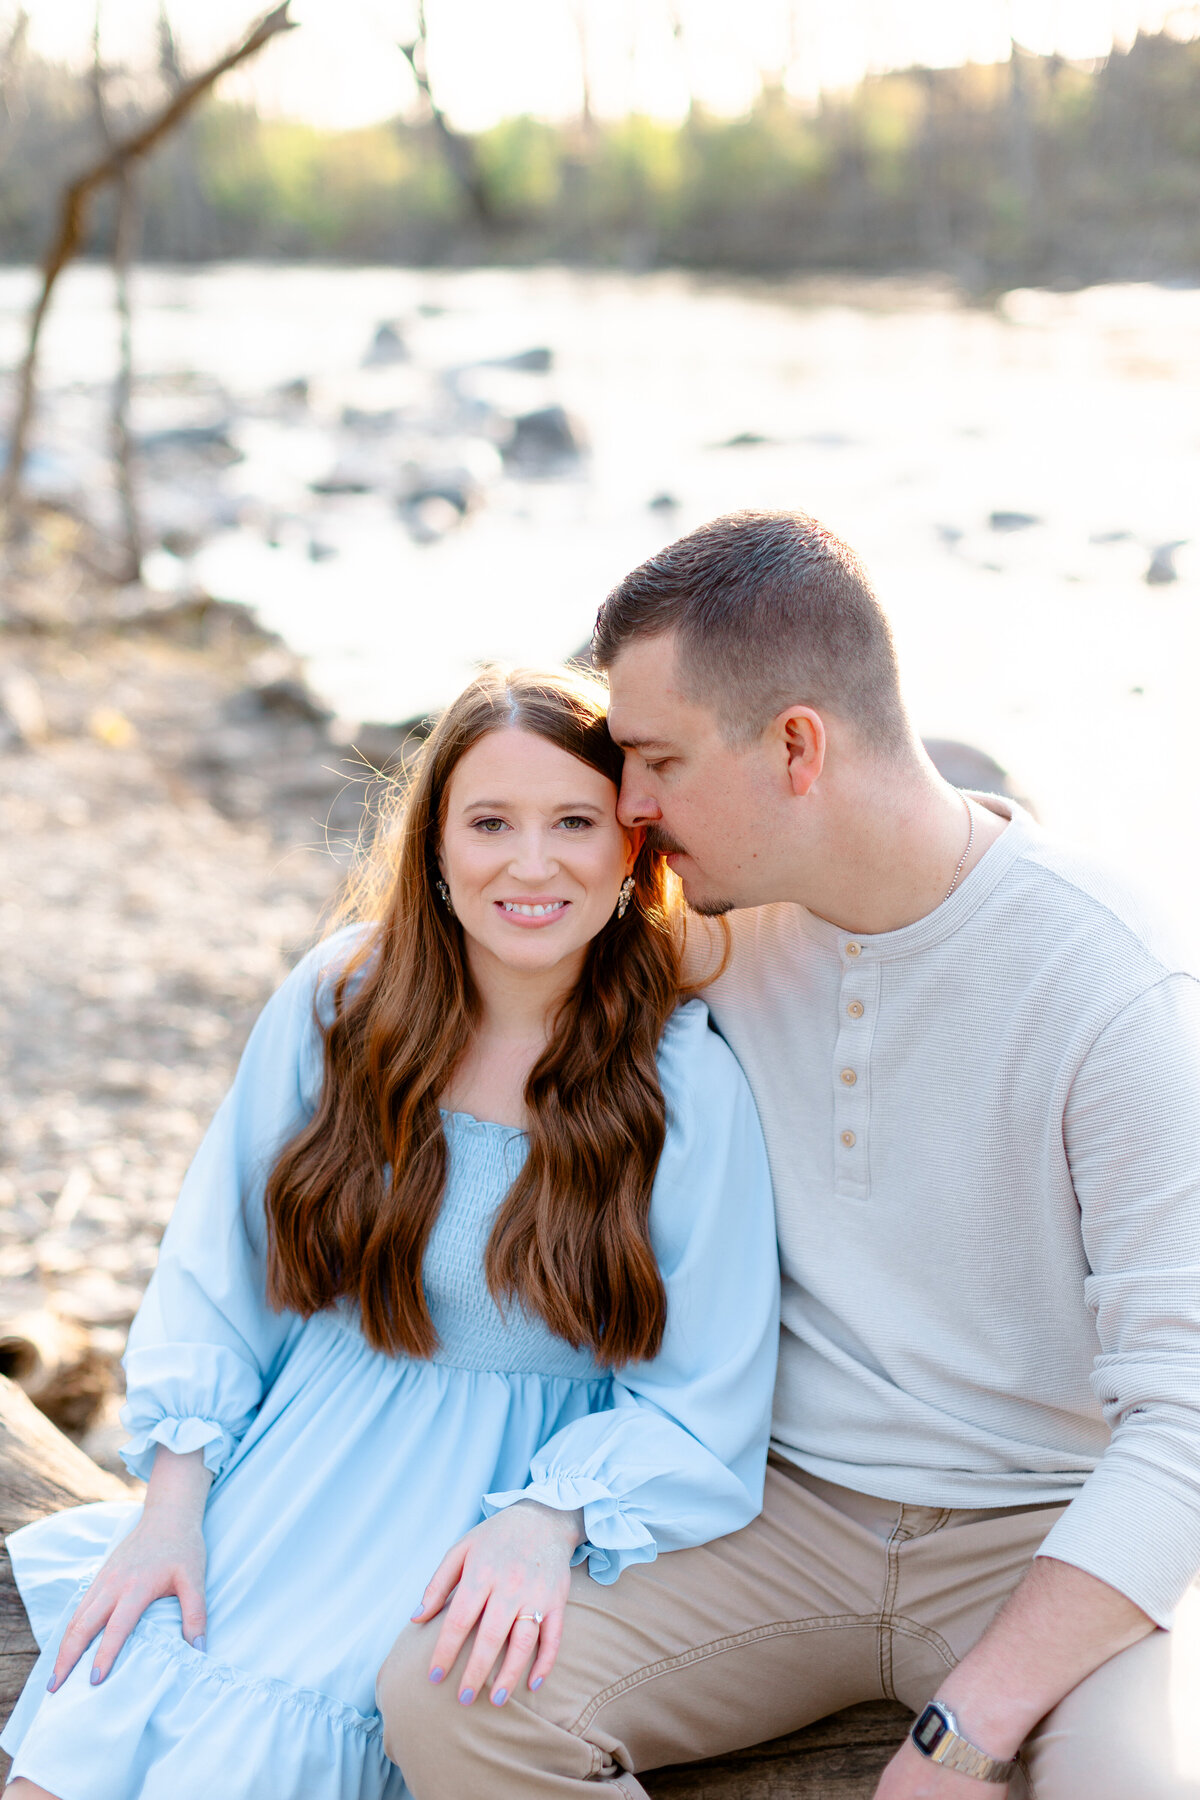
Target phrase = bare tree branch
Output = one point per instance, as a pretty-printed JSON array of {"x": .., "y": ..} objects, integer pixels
[
  {"x": 458, "y": 150},
  {"x": 124, "y": 238},
  {"x": 76, "y": 199}
]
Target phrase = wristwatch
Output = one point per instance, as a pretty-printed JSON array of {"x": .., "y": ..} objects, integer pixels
[{"x": 937, "y": 1736}]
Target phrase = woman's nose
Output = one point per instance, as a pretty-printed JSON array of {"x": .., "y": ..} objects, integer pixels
[{"x": 531, "y": 856}]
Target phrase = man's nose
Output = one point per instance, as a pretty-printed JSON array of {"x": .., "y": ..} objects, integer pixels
[{"x": 635, "y": 806}]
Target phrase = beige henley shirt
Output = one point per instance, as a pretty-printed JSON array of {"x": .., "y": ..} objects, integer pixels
[{"x": 984, "y": 1134}]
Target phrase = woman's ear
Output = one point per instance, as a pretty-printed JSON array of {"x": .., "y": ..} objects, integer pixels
[{"x": 635, "y": 837}]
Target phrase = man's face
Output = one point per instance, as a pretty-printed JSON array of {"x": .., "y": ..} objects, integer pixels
[{"x": 706, "y": 803}]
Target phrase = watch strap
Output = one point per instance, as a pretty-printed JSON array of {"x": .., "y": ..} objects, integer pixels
[{"x": 937, "y": 1737}]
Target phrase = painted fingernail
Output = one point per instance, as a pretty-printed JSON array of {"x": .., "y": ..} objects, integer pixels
[
  {"x": 52, "y": 1684},
  {"x": 536, "y": 1683},
  {"x": 466, "y": 1696},
  {"x": 499, "y": 1696},
  {"x": 96, "y": 1677},
  {"x": 417, "y": 1614},
  {"x": 199, "y": 1642}
]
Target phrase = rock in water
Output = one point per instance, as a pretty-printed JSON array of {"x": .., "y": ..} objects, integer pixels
[
  {"x": 538, "y": 361},
  {"x": 963, "y": 766},
  {"x": 387, "y": 346},
  {"x": 1162, "y": 571},
  {"x": 545, "y": 441}
]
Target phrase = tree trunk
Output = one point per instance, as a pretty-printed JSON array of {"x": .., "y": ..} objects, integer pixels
[{"x": 41, "y": 1471}]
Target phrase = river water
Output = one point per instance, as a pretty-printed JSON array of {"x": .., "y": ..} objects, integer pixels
[{"x": 901, "y": 416}]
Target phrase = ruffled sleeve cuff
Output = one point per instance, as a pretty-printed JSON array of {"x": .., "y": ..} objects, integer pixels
[
  {"x": 614, "y": 1537},
  {"x": 181, "y": 1436}
]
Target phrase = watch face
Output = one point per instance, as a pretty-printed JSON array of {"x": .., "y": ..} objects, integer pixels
[{"x": 929, "y": 1730}]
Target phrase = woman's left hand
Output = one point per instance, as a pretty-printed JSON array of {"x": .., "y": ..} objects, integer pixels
[{"x": 514, "y": 1564}]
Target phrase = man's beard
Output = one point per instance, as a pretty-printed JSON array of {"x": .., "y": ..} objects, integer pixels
[{"x": 663, "y": 844}]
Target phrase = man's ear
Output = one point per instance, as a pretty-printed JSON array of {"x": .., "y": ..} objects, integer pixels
[{"x": 803, "y": 734}]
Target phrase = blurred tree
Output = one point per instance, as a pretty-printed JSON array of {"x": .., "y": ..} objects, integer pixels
[
  {"x": 125, "y": 232},
  {"x": 458, "y": 149},
  {"x": 119, "y": 157}
]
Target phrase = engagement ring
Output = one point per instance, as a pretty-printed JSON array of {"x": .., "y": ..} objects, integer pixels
[{"x": 536, "y": 1617}]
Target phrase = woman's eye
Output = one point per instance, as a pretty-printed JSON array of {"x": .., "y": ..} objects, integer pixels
[
  {"x": 490, "y": 826},
  {"x": 574, "y": 823}
]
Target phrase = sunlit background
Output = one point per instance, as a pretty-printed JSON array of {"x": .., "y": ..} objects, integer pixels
[
  {"x": 430, "y": 339},
  {"x": 492, "y": 60}
]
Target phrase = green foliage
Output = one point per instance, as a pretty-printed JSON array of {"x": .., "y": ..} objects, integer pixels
[{"x": 1033, "y": 170}]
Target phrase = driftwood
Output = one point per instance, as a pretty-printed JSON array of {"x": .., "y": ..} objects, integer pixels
[
  {"x": 41, "y": 1471},
  {"x": 839, "y": 1758}
]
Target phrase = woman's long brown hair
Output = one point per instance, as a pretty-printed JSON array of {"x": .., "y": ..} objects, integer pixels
[{"x": 353, "y": 1198}]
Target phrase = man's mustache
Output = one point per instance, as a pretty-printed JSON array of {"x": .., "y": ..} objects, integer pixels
[{"x": 662, "y": 843}]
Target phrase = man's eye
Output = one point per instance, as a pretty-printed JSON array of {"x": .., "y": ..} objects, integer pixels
[{"x": 656, "y": 767}]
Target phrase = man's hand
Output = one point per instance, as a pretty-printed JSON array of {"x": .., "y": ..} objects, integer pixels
[{"x": 1051, "y": 1632}]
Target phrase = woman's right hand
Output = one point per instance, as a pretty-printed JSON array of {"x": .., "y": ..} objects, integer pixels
[{"x": 163, "y": 1554}]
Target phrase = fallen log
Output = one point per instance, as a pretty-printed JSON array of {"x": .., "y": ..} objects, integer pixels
[
  {"x": 41, "y": 1471},
  {"x": 839, "y": 1758}
]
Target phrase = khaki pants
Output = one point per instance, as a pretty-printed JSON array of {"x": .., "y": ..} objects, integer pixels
[{"x": 829, "y": 1598}]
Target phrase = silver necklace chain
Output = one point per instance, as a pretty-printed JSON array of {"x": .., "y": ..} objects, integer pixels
[{"x": 970, "y": 840}]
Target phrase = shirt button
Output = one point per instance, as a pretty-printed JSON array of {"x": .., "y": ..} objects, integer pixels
[
  {"x": 849, "y": 1139},
  {"x": 855, "y": 1009},
  {"x": 853, "y": 949},
  {"x": 849, "y": 1077}
]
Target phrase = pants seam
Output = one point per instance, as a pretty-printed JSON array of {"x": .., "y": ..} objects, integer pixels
[
  {"x": 900, "y": 1622},
  {"x": 717, "y": 1647},
  {"x": 902, "y": 1533}
]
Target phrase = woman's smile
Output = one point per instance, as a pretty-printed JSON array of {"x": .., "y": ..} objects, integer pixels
[{"x": 531, "y": 913}]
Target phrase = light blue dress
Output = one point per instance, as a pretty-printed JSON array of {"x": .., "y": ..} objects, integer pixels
[{"x": 342, "y": 1475}]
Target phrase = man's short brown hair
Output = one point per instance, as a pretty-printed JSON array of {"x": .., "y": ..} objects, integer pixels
[{"x": 771, "y": 610}]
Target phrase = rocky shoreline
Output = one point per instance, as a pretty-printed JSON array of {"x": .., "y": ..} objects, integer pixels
[{"x": 176, "y": 813}]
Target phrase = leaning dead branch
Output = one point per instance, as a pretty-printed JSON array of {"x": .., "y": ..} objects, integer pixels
[
  {"x": 459, "y": 152},
  {"x": 117, "y": 161},
  {"x": 125, "y": 233}
]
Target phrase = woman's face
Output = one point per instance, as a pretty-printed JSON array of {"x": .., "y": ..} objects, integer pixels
[{"x": 531, "y": 850}]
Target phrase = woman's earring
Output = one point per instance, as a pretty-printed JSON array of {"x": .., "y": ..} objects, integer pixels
[
  {"x": 625, "y": 896},
  {"x": 444, "y": 891}
]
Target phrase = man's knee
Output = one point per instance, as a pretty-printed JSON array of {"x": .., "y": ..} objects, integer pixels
[
  {"x": 1131, "y": 1728},
  {"x": 412, "y": 1707}
]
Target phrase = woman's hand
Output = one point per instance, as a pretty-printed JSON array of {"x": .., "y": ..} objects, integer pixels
[
  {"x": 163, "y": 1554},
  {"x": 512, "y": 1565}
]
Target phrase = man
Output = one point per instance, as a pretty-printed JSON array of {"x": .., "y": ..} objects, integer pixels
[{"x": 978, "y": 1071}]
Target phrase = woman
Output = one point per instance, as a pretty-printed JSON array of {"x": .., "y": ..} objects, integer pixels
[{"x": 479, "y": 1247}]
